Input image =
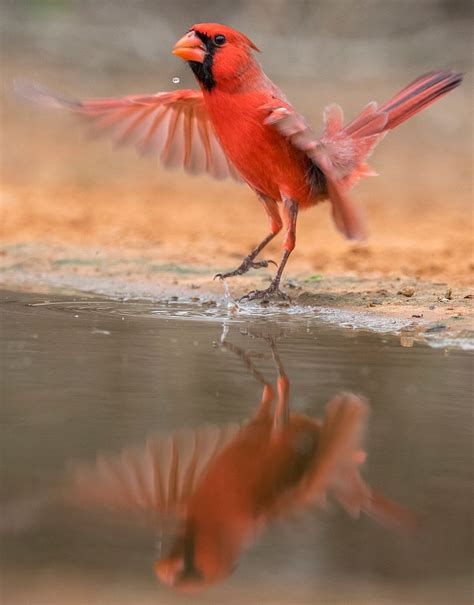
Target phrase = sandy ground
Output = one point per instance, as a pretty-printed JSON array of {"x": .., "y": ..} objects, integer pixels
[{"x": 122, "y": 243}]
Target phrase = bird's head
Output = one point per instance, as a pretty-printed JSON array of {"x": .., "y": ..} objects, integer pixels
[
  {"x": 216, "y": 53},
  {"x": 201, "y": 555}
]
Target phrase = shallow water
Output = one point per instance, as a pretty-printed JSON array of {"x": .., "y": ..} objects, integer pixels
[{"x": 83, "y": 377}]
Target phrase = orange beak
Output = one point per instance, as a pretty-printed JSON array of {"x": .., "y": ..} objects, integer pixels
[
  {"x": 190, "y": 48},
  {"x": 168, "y": 570}
]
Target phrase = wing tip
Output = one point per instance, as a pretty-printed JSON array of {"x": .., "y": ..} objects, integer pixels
[{"x": 40, "y": 95}]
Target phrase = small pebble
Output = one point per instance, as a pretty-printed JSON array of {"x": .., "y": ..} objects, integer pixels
[
  {"x": 408, "y": 291},
  {"x": 436, "y": 328}
]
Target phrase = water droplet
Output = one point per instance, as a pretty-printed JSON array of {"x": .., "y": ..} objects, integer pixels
[
  {"x": 176, "y": 80},
  {"x": 227, "y": 295},
  {"x": 225, "y": 331}
]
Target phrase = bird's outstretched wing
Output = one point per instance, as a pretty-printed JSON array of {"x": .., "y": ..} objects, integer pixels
[
  {"x": 335, "y": 470},
  {"x": 150, "y": 482},
  {"x": 341, "y": 152},
  {"x": 173, "y": 126},
  {"x": 335, "y": 155}
]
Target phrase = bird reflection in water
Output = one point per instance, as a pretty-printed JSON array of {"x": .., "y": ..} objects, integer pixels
[{"x": 224, "y": 485}]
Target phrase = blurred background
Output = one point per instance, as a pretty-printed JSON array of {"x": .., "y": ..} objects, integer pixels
[{"x": 59, "y": 188}]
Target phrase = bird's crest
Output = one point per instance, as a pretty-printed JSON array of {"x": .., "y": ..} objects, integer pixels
[{"x": 234, "y": 36}]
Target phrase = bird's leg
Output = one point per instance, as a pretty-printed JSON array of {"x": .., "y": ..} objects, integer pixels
[
  {"x": 268, "y": 394},
  {"x": 248, "y": 263},
  {"x": 281, "y": 417},
  {"x": 291, "y": 214}
]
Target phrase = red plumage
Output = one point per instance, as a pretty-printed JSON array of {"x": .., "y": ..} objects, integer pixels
[{"x": 242, "y": 125}]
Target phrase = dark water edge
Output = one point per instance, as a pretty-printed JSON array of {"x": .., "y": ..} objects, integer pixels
[{"x": 79, "y": 379}]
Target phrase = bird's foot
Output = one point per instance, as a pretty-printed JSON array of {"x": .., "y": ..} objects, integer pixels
[
  {"x": 273, "y": 291},
  {"x": 246, "y": 265}
]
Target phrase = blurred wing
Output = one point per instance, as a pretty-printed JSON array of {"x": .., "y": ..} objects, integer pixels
[
  {"x": 336, "y": 469},
  {"x": 334, "y": 159},
  {"x": 173, "y": 126},
  {"x": 152, "y": 481},
  {"x": 342, "y": 454},
  {"x": 342, "y": 151}
]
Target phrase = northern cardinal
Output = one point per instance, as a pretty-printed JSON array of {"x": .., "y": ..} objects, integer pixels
[
  {"x": 226, "y": 484},
  {"x": 240, "y": 124}
]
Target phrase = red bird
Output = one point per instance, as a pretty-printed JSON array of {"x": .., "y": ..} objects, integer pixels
[
  {"x": 240, "y": 124},
  {"x": 224, "y": 485}
]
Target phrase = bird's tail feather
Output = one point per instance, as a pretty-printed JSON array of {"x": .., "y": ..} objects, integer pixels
[
  {"x": 348, "y": 148},
  {"x": 341, "y": 153},
  {"x": 419, "y": 94},
  {"x": 410, "y": 100}
]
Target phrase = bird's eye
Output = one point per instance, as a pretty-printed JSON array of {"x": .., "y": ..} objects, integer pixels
[{"x": 219, "y": 40}]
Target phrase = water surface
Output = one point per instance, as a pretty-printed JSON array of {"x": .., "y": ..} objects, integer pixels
[{"x": 83, "y": 377}]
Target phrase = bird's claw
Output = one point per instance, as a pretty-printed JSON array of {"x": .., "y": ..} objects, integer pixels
[
  {"x": 273, "y": 291},
  {"x": 262, "y": 263},
  {"x": 246, "y": 265}
]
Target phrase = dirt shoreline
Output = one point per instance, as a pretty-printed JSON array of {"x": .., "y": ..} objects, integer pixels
[{"x": 437, "y": 312}]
